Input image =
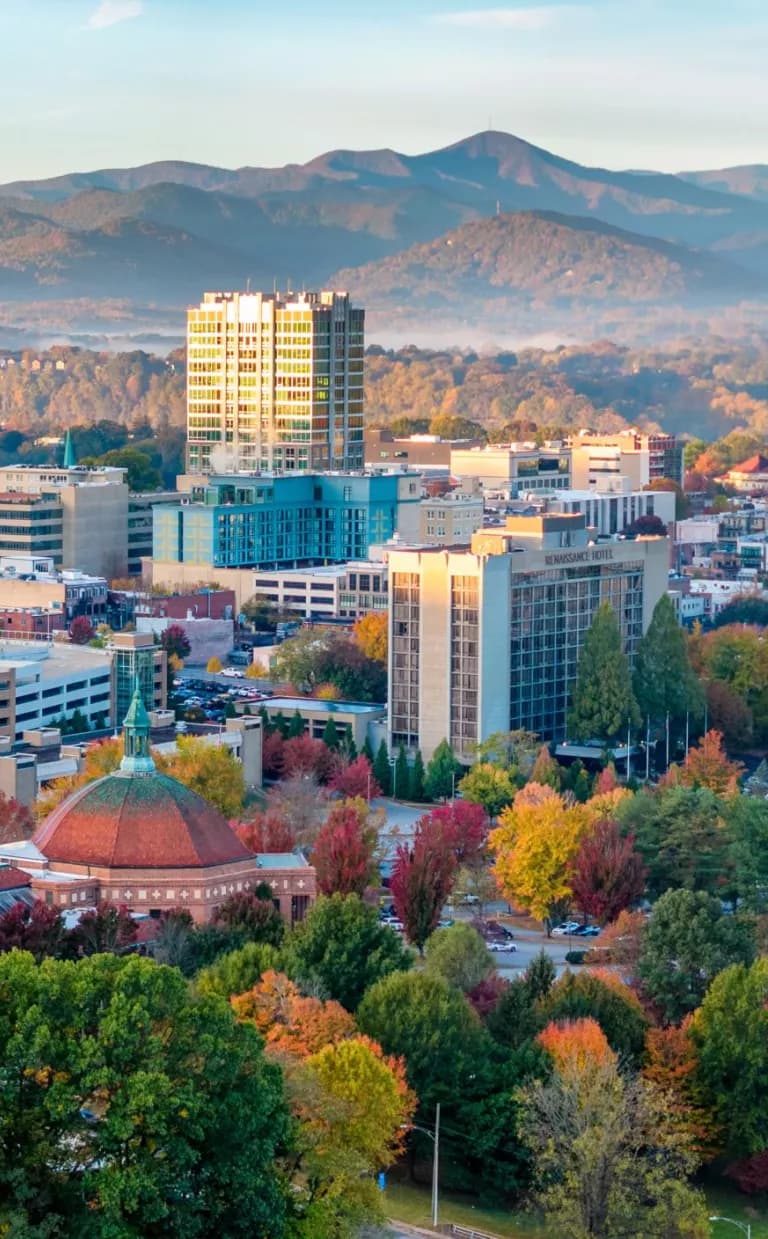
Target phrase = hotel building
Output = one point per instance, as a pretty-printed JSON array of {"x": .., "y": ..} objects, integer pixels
[{"x": 488, "y": 639}]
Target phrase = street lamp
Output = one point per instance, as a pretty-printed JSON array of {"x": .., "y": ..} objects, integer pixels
[
  {"x": 435, "y": 1138},
  {"x": 745, "y": 1226}
]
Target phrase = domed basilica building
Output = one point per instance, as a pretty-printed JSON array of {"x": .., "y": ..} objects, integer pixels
[{"x": 140, "y": 838}]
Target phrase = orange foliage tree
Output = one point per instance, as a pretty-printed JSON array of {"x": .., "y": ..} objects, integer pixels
[
  {"x": 370, "y": 633},
  {"x": 289, "y": 1022},
  {"x": 576, "y": 1045},
  {"x": 708, "y": 766},
  {"x": 672, "y": 1063}
]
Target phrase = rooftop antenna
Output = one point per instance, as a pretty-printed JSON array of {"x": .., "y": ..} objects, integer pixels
[
  {"x": 248, "y": 284},
  {"x": 274, "y": 285},
  {"x": 498, "y": 207}
]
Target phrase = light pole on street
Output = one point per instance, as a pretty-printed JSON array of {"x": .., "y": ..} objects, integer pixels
[
  {"x": 745, "y": 1226},
  {"x": 435, "y": 1138}
]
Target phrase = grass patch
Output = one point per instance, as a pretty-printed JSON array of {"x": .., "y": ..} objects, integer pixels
[
  {"x": 727, "y": 1202},
  {"x": 408, "y": 1202}
]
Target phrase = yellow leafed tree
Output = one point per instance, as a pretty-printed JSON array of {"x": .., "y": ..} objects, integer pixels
[
  {"x": 370, "y": 633},
  {"x": 535, "y": 843}
]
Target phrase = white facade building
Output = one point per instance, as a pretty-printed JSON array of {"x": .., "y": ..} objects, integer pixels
[{"x": 41, "y": 682}]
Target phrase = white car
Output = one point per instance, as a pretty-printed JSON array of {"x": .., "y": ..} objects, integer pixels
[
  {"x": 501, "y": 946},
  {"x": 567, "y": 927}
]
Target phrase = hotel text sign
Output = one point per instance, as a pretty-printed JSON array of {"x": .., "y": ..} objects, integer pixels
[{"x": 595, "y": 555}]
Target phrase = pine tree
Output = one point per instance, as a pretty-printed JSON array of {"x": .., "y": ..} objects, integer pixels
[
  {"x": 602, "y": 701},
  {"x": 266, "y": 726},
  {"x": 330, "y": 734},
  {"x": 296, "y": 726},
  {"x": 382, "y": 771},
  {"x": 416, "y": 779},
  {"x": 280, "y": 723},
  {"x": 443, "y": 772},
  {"x": 367, "y": 750},
  {"x": 664, "y": 681},
  {"x": 402, "y": 780}
]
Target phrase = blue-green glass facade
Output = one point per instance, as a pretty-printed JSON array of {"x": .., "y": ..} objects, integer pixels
[{"x": 282, "y": 521}]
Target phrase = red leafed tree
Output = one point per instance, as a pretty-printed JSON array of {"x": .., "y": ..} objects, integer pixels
[
  {"x": 576, "y": 1045},
  {"x": 81, "y": 630},
  {"x": 422, "y": 880},
  {"x": 708, "y": 766},
  {"x": 267, "y": 832},
  {"x": 106, "y": 928},
  {"x": 608, "y": 874},
  {"x": 344, "y": 851},
  {"x": 16, "y": 820},
  {"x": 272, "y": 754},
  {"x": 485, "y": 996},
  {"x": 356, "y": 779},
  {"x": 606, "y": 780},
  {"x": 303, "y": 755},
  {"x": 38, "y": 929},
  {"x": 461, "y": 827}
]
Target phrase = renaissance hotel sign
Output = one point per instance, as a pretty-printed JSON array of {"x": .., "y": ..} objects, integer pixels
[{"x": 593, "y": 555}]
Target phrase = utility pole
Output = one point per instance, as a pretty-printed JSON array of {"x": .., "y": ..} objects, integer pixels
[{"x": 436, "y": 1167}]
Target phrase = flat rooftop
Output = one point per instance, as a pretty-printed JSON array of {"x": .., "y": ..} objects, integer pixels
[
  {"x": 50, "y": 661},
  {"x": 318, "y": 706}
]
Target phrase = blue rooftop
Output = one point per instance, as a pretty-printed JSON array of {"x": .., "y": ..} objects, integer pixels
[{"x": 319, "y": 706}]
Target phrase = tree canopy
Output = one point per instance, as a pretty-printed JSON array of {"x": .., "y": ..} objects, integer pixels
[{"x": 603, "y": 704}]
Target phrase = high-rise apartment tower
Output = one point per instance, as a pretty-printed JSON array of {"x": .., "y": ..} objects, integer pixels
[{"x": 274, "y": 382}]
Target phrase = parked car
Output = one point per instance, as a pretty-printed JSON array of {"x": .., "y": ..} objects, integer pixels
[
  {"x": 498, "y": 945},
  {"x": 567, "y": 927}
]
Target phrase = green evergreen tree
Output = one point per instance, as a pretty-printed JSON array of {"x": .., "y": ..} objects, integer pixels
[
  {"x": 280, "y": 723},
  {"x": 664, "y": 681},
  {"x": 296, "y": 726},
  {"x": 443, "y": 772},
  {"x": 331, "y": 737},
  {"x": 229, "y": 710},
  {"x": 382, "y": 771},
  {"x": 416, "y": 779},
  {"x": 266, "y": 726},
  {"x": 402, "y": 780},
  {"x": 602, "y": 702},
  {"x": 367, "y": 750}
]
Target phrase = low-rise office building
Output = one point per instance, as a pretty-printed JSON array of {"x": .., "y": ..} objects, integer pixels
[
  {"x": 450, "y": 519},
  {"x": 41, "y": 682},
  {"x": 642, "y": 458},
  {"x": 509, "y": 469},
  {"x": 488, "y": 639},
  {"x": 612, "y": 506},
  {"x": 338, "y": 591}
]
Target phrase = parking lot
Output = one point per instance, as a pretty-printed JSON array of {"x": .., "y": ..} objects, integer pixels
[{"x": 204, "y": 696}]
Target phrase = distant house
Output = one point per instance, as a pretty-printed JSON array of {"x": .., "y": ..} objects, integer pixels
[{"x": 749, "y": 476}]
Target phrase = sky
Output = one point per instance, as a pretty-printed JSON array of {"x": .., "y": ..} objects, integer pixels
[{"x": 665, "y": 84}]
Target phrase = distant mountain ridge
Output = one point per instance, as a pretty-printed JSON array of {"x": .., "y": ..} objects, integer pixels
[{"x": 161, "y": 233}]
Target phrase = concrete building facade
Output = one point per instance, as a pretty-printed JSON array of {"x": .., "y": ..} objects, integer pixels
[
  {"x": 275, "y": 381},
  {"x": 509, "y": 469},
  {"x": 488, "y": 639}
]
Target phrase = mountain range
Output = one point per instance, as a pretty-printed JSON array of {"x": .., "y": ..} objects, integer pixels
[{"x": 488, "y": 225}]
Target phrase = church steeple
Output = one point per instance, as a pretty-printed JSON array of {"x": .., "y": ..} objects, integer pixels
[
  {"x": 136, "y": 725},
  {"x": 70, "y": 460}
]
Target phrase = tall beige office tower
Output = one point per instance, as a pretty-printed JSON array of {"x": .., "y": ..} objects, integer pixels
[{"x": 275, "y": 382}]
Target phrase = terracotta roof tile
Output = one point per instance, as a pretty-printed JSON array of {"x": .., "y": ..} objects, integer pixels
[{"x": 138, "y": 822}]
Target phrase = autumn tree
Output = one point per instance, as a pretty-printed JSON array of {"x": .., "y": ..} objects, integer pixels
[
  {"x": 421, "y": 882},
  {"x": 214, "y": 665},
  {"x": 545, "y": 770},
  {"x": 602, "y": 701},
  {"x": 234, "y": 972},
  {"x": 621, "y": 943},
  {"x": 36, "y": 928},
  {"x": 535, "y": 845},
  {"x": 708, "y": 766},
  {"x": 301, "y": 801},
  {"x": 344, "y": 855},
  {"x": 356, "y": 780},
  {"x": 289, "y": 1022},
  {"x": 672, "y": 1064},
  {"x": 460, "y": 827},
  {"x": 210, "y": 770},
  {"x": 607, "y": 1160},
  {"x": 267, "y": 831},
  {"x": 576, "y": 1045},
  {"x": 370, "y": 633},
  {"x": 16, "y": 820},
  {"x": 81, "y": 630},
  {"x": 602, "y": 996},
  {"x": 105, "y": 928},
  {"x": 175, "y": 641},
  {"x": 608, "y": 874},
  {"x": 303, "y": 755}
]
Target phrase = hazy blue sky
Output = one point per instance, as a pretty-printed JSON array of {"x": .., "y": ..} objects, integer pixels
[{"x": 668, "y": 84}]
